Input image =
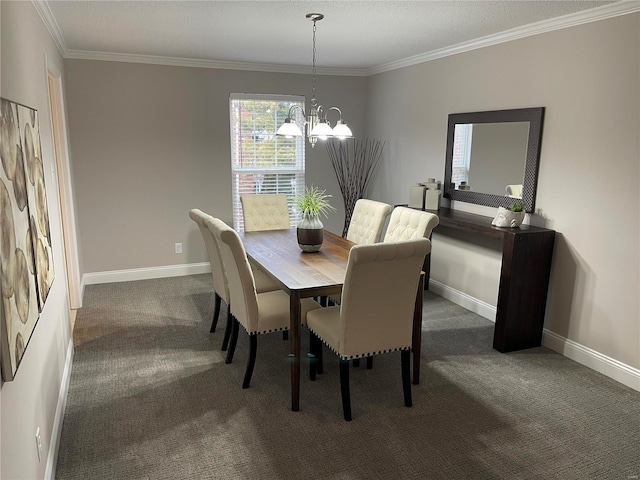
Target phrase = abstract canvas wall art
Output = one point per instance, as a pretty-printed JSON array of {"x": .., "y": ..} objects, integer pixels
[{"x": 26, "y": 260}]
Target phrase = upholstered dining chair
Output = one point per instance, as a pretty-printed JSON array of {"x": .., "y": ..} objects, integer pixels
[
  {"x": 367, "y": 221},
  {"x": 207, "y": 225},
  {"x": 514, "y": 191},
  {"x": 258, "y": 313},
  {"x": 265, "y": 211},
  {"x": 219, "y": 280},
  {"x": 376, "y": 315},
  {"x": 408, "y": 224}
]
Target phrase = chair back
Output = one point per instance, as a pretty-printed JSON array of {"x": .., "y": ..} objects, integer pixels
[
  {"x": 409, "y": 224},
  {"x": 265, "y": 211},
  {"x": 217, "y": 270},
  {"x": 378, "y": 297},
  {"x": 514, "y": 191},
  {"x": 242, "y": 287},
  {"x": 367, "y": 221}
]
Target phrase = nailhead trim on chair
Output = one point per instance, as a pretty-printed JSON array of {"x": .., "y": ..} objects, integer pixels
[
  {"x": 268, "y": 331},
  {"x": 362, "y": 355}
]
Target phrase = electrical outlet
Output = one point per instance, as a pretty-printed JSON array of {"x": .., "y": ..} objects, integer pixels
[
  {"x": 38, "y": 444},
  {"x": 178, "y": 248}
]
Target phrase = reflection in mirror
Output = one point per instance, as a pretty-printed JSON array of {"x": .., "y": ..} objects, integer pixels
[
  {"x": 485, "y": 168},
  {"x": 492, "y": 157}
]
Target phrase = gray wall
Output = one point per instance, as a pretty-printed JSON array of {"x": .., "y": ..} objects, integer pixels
[
  {"x": 151, "y": 142},
  {"x": 32, "y": 400},
  {"x": 491, "y": 169},
  {"x": 158, "y": 130},
  {"x": 587, "y": 77}
]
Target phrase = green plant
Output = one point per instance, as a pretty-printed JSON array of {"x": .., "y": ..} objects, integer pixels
[
  {"x": 314, "y": 201},
  {"x": 516, "y": 207}
]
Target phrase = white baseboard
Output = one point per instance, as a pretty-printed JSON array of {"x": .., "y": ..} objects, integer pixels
[
  {"x": 54, "y": 447},
  {"x": 608, "y": 366},
  {"x": 460, "y": 298},
  {"x": 145, "y": 273}
]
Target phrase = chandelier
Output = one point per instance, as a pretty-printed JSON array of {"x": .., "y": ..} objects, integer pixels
[{"x": 316, "y": 122}]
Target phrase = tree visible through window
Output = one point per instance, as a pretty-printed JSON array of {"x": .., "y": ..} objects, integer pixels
[
  {"x": 461, "y": 160},
  {"x": 262, "y": 162}
]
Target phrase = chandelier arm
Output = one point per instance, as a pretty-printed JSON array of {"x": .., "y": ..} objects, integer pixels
[
  {"x": 296, "y": 107},
  {"x": 337, "y": 109}
]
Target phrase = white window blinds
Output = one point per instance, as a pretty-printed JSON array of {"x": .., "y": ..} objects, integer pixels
[
  {"x": 462, "y": 139},
  {"x": 262, "y": 162}
]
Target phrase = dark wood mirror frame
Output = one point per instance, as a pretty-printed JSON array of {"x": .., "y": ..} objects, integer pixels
[{"x": 535, "y": 117}]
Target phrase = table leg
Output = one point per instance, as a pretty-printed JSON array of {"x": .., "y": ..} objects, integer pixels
[
  {"x": 416, "y": 341},
  {"x": 294, "y": 339}
]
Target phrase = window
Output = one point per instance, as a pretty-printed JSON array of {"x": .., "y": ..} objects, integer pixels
[
  {"x": 262, "y": 162},
  {"x": 463, "y": 135}
]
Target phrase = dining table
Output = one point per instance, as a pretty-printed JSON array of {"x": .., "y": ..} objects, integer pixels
[{"x": 312, "y": 274}]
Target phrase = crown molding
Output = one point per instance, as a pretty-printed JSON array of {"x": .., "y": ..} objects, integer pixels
[
  {"x": 42, "y": 7},
  {"x": 604, "y": 12},
  {"x": 218, "y": 64}
]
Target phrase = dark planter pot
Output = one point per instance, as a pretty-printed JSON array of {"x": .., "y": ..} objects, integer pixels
[{"x": 310, "y": 234}]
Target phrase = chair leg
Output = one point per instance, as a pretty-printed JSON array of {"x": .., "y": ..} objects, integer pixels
[
  {"x": 356, "y": 362},
  {"x": 216, "y": 314},
  {"x": 315, "y": 349},
  {"x": 369, "y": 362},
  {"x": 344, "y": 389},
  {"x": 405, "y": 359},
  {"x": 320, "y": 362},
  {"x": 227, "y": 330},
  {"x": 285, "y": 335},
  {"x": 253, "y": 342},
  {"x": 233, "y": 341}
]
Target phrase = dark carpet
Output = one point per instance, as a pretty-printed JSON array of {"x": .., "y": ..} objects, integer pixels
[{"x": 150, "y": 397}]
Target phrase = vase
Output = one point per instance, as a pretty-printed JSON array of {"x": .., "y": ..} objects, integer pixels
[
  {"x": 310, "y": 233},
  {"x": 507, "y": 218}
]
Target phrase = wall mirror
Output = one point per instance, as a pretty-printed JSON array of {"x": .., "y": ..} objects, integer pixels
[{"x": 492, "y": 157}]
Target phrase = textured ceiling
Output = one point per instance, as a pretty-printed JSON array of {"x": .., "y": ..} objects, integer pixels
[{"x": 353, "y": 35}]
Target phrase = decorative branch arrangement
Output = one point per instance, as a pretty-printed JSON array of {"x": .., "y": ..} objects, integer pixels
[{"x": 354, "y": 161}]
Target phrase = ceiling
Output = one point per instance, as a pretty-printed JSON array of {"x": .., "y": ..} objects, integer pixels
[{"x": 356, "y": 37}]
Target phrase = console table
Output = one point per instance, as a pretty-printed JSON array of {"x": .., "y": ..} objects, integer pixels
[{"x": 524, "y": 276}]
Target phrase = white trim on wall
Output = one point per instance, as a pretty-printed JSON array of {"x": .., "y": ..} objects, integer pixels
[
  {"x": 479, "y": 307},
  {"x": 608, "y": 366},
  {"x": 146, "y": 273},
  {"x": 62, "y": 174},
  {"x": 588, "y": 357},
  {"x": 56, "y": 433},
  {"x": 595, "y": 14},
  {"x": 571, "y": 20}
]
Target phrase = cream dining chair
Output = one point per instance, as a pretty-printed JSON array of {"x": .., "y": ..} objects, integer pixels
[
  {"x": 405, "y": 224},
  {"x": 258, "y": 313},
  {"x": 367, "y": 221},
  {"x": 206, "y": 224},
  {"x": 408, "y": 224},
  {"x": 514, "y": 191},
  {"x": 265, "y": 211},
  {"x": 376, "y": 315},
  {"x": 219, "y": 281}
]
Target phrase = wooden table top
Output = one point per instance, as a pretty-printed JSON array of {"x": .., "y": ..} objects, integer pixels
[{"x": 278, "y": 254}]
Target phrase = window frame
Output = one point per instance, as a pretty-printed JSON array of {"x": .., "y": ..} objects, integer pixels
[{"x": 297, "y": 170}]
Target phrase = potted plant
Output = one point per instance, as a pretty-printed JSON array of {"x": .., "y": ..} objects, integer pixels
[
  {"x": 512, "y": 216},
  {"x": 312, "y": 203}
]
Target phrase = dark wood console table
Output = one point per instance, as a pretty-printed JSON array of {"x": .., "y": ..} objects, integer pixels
[{"x": 524, "y": 276}]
